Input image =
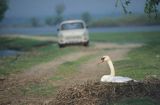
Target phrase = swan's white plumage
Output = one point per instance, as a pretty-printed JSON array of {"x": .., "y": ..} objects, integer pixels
[
  {"x": 118, "y": 79},
  {"x": 112, "y": 77}
]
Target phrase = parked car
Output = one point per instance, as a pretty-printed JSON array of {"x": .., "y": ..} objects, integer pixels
[{"x": 73, "y": 32}]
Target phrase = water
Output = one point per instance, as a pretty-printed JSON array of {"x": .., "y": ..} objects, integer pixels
[
  {"x": 127, "y": 29},
  {"x": 6, "y": 53},
  {"x": 53, "y": 30},
  {"x": 29, "y": 31}
]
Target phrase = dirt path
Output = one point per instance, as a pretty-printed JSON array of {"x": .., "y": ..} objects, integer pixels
[
  {"x": 91, "y": 70},
  {"x": 9, "y": 90},
  {"x": 39, "y": 73}
]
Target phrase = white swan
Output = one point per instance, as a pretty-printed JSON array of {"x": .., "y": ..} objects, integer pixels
[{"x": 112, "y": 77}]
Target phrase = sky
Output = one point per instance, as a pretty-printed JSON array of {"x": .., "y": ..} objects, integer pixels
[{"x": 42, "y": 8}]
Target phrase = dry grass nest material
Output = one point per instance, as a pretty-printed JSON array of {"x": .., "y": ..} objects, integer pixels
[{"x": 98, "y": 93}]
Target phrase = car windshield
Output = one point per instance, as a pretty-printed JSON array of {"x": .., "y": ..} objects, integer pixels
[{"x": 68, "y": 26}]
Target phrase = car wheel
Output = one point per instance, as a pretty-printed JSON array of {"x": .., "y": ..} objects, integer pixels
[
  {"x": 86, "y": 44},
  {"x": 61, "y": 45}
]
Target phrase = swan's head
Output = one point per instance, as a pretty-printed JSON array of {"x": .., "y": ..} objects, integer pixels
[{"x": 105, "y": 58}]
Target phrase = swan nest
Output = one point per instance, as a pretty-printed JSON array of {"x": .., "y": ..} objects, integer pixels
[{"x": 99, "y": 93}]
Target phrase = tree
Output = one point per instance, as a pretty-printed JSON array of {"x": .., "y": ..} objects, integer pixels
[
  {"x": 86, "y": 17},
  {"x": 34, "y": 22},
  {"x": 3, "y": 8},
  {"x": 59, "y": 9},
  {"x": 58, "y": 19},
  {"x": 50, "y": 21},
  {"x": 151, "y": 6}
]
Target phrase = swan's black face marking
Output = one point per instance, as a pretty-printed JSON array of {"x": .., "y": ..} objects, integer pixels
[{"x": 102, "y": 59}]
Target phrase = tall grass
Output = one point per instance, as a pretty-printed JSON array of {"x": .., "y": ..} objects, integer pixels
[{"x": 126, "y": 37}]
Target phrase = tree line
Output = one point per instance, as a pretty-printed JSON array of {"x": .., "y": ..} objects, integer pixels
[
  {"x": 151, "y": 8},
  {"x": 54, "y": 20}
]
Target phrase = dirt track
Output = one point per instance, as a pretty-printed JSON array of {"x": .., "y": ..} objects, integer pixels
[{"x": 9, "y": 90}]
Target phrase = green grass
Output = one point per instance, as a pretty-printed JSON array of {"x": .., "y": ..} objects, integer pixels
[
  {"x": 69, "y": 68},
  {"x": 126, "y": 37},
  {"x": 39, "y": 51},
  {"x": 141, "y": 62},
  {"x": 18, "y": 43},
  {"x": 34, "y": 52},
  {"x": 44, "y": 89},
  {"x": 137, "y": 101}
]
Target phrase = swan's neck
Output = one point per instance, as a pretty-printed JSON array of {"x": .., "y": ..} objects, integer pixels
[{"x": 112, "y": 71}]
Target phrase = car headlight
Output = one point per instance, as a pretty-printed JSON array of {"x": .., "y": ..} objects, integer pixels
[{"x": 60, "y": 36}]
